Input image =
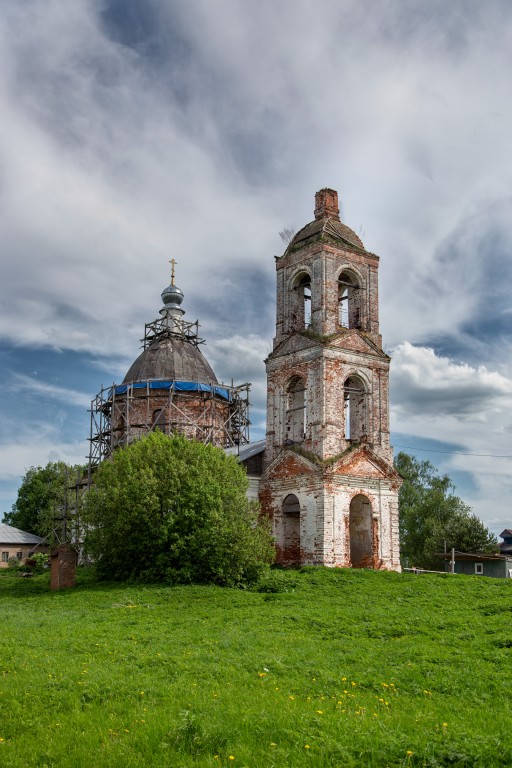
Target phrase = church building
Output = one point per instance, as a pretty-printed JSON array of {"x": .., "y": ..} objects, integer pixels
[{"x": 328, "y": 481}]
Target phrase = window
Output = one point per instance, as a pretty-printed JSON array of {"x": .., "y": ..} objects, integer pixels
[
  {"x": 355, "y": 398},
  {"x": 19, "y": 555},
  {"x": 295, "y": 411},
  {"x": 5, "y": 557},
  {"x": 349, "y": 301},
  {"x": 301, "y": 302},
  {"x": 479, "y": 569},
  {"x": 159, "y": 419}
]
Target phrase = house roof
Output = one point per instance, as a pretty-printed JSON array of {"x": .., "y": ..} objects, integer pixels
[
  {"x": 473, "y": 556},
  {"x": 506, "y": 533},
  {"x": 247, "y": 451},
  {"x": 11, "y": 535}
]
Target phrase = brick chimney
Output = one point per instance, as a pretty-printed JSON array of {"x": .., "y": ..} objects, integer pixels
[{"x": 326, "y": 204}]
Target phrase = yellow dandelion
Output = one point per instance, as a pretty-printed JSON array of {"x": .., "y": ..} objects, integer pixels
[
  {"x": 409, "y": 753},
  {"x": 319, "y": 711},
  {"x": 231, "y": 757},
  {"x": 306, "y": 746}
]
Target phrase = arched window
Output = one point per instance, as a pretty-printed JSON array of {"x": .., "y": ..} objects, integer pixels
[
  {"x": 295, "y": 410},
  {"x": 301, "y": 302},
  {"x": 349, "y": 301},
  {"x": 355, "y": 399},
  {"x": 290, "y": 544},
  {"x": 159, "y": 419}
]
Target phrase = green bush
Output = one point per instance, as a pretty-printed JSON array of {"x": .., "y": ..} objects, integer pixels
[{"x": 173, "y": 510}]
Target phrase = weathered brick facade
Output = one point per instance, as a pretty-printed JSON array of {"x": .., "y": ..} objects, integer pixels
[{"x": 328, "y": 483}]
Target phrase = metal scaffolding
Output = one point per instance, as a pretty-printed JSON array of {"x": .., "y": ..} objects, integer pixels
[{"x": 120, "y": 414}]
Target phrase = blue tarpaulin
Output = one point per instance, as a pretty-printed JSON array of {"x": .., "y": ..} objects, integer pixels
[{"x": 177, "y": 386}]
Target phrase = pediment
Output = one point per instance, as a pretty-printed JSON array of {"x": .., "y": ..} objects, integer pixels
[
  {"x": 363, "y": 462},
  {"x": 294, "y": 343},
  {"x": 289, "y": 464},
  {"x": 357, "y": 342}
]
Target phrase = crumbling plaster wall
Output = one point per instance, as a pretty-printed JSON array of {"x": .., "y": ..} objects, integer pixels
[
  {"x": 324, "y": 371},
  {"x": 325, "y": 516}
]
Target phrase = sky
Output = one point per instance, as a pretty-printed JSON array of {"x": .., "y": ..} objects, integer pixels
[{"x": 136, "y": 131}]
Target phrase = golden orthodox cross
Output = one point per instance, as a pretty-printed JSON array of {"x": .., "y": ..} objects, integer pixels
[{"x": 173, "y": 263}]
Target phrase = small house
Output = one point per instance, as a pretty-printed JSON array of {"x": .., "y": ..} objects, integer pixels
[
  {"x": 498, "y": 566},
  {"x": 15, "y": 543}
]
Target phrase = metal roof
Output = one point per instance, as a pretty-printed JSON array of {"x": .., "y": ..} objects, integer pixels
[
  {"x": 473, "y": 556},
  {"x": 171, "y": 358},
  {"x": 10, "y": 535},
  {"x": 247, "y": 451}
]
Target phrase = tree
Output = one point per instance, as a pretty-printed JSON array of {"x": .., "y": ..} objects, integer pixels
[
  {"x": 42, "y": 497},
  {"x": 432, "y": 515},
  {"x": 166, "y": 508}
]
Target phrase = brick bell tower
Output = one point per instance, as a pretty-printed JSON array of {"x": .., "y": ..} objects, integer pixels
[{"x": 328, "y": 482}]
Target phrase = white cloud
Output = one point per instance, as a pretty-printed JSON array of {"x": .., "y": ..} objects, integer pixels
[
  {"x": 37, "y": 444},
  {"x": 469, "y": 409},
  {"x": 45, "y": 390}
]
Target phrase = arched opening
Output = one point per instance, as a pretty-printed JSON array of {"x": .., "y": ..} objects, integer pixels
[
  {"x": 159, "y": 419},
  {"x": 361, "y": 537},
  {"x": 291, "y": 531},
  {"x": 355, "y": 400},
  {"x": 349, "y": 301},
  {"x": 301, "y": 300},
  {"x": 296, "y": 410}
]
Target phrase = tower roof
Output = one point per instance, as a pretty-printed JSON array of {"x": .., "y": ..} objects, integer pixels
[
  {"x": 174, "y": 358},
  {"x": 326, "y": 225},
  {"x": 171, "y": 346}
]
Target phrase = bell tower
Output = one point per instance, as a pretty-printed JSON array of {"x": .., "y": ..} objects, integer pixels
[{"x": 329, "y": 484}]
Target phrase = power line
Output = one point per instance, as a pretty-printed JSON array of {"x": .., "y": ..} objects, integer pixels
[{"x": 456, "y": 453}]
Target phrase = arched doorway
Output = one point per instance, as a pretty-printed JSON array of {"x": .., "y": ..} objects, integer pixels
[
  {"x": 361, "y": 535},
  {"x": 291, "y": 531}
]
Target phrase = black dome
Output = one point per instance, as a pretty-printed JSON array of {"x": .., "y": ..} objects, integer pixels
[{"x": 171, "y": 358}]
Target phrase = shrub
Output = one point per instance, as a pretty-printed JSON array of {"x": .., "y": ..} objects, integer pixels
[{"x": 169, "y": 509}]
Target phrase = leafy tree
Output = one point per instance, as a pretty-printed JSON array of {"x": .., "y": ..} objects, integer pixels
[
  {"x": 166, "y": 508},
  {"x": 431, "y": 514},
  {"x": 41, "y": 497}
]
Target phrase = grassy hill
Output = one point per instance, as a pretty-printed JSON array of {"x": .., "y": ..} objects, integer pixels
[{"x": 323, "y": 668}]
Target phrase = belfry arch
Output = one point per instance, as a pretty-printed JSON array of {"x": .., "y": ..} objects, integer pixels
[
  {"x": 300, "y": 301},
  {"x": 349, "y": 300},
  {"x": 355, "y": 398},
  {"x": 295, "y": 410}
]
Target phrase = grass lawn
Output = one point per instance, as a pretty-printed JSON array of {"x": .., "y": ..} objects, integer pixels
[{"x": 338, "y": 668}]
